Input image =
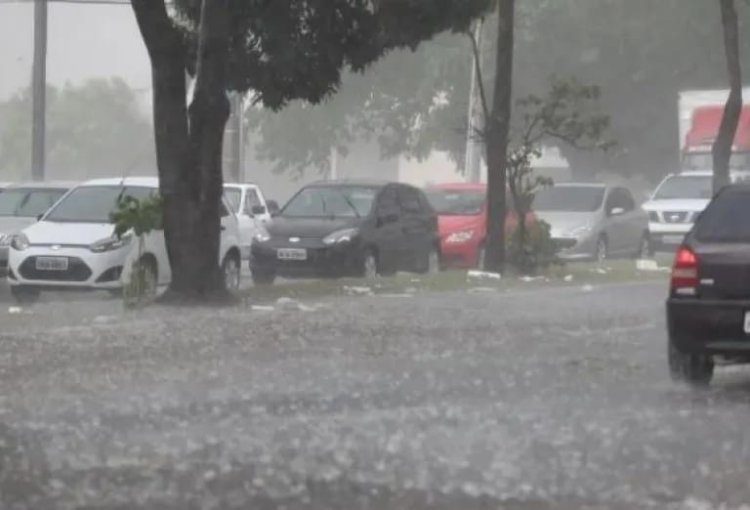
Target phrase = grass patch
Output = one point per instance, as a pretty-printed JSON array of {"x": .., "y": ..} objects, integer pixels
[{"x": 574, "y": 274}]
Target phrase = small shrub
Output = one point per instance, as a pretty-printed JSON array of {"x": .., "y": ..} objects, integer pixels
[
  {"x": 138, "y": 218},
  {"x": 536, "y": 254}
]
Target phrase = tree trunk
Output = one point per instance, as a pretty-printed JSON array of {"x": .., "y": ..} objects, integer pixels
[
  {"x": 722, "y": 148},
  {"x": 498, "y": 127},
  {"x": 189, "y": 143}
]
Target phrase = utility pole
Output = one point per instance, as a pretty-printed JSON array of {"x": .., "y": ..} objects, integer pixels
[
  {"x": 39, "y": 91},
  {"x": 472, "y": 165}
]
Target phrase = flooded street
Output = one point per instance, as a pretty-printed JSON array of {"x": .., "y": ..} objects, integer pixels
[{"x": 528, "y": 399}]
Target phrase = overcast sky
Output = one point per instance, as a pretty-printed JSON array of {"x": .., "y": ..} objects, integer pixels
[{"x": 85, "y": 41}]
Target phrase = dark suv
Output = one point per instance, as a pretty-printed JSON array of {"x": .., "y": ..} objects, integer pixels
[
  {"x": 708, "y": 311},
  {"x": 348, "y": 228}
]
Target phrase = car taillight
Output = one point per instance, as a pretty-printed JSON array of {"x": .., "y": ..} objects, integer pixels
[{"x": 685, "y": 273}]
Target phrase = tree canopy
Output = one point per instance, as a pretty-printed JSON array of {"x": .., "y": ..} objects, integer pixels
[
  {"x": 93, "y": 129},
  {"x": 640, "y": 53}
]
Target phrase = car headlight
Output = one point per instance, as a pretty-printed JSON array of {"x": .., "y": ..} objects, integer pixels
[
  {"x": 110, "y": 243},
  {"x": 460, "y": 237},
  {"x": 581, "y": 231},
  {"x": 262, "y": 236},
  {"x": 5, "y": 240},
  {"x": 653, "y": 217},
  {"x": 341, "y": 236},
  {"x": 20, "y": 242}
]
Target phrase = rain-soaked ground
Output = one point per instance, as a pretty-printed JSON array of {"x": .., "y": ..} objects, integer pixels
[{"x": 525, "y": 400}]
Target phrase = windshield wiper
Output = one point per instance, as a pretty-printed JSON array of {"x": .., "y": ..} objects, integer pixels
[{"x": 350, "y": 204}]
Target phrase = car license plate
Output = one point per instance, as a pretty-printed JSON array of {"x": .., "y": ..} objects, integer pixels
[
  {"x": 747, "y": 323},
  {"x": 673, "y": 239},
  {"x": 52, "y": 263},
  {"x": 291, "y": 254}
]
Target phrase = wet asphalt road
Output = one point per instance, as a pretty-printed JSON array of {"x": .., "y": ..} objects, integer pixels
[{"x": 543, "y": 399}]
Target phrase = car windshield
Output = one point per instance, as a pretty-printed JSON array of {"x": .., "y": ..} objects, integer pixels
[
  {"x": 453, "y": 202},
  {"x": 331, "y": 201},
  {"x": 28, "y": 203},
  {"x": 704, "y": 161},
  {"x": 725, "y": 220},
  {"x": 685, "y": 187},
  {"x": 94, "y": 204},
  {"x": 569, "y": 199}
]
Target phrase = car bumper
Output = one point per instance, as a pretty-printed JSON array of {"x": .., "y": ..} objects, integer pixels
[
  {"x": 86, "y": 270},
  {"x": 459, "y": 256},
  {"x": 322, "y": 261},
  {"x": 572, "y": 249},
  {"x": 667, "y": 237},
  {"x": 713, "y": 327}
]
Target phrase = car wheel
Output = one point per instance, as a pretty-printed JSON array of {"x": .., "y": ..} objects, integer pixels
[
  {"x": 230, "y": 268},
  {"x": 602, "y": 250},
  {"x": 370, "y": 267},
  {"x": 262, "y": 278},
  {"x": 644, "y": 248},
  {"x": 150, "y": 278},
  {"x": 431, "y": 264},
  {"x": 481, "y": 258},
  {"x": 25, "y": 295},
  {"x": 691, "y": 368}
]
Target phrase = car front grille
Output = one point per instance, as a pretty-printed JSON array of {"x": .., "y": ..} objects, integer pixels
[
  {"x": 77, "y": 271},
  {"x": 676, "y": 216}
]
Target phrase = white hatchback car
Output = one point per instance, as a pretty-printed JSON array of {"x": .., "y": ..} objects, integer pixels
[{"x": 73, "y": 246}]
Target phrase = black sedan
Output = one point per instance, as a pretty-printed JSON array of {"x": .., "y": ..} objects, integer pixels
[
  {"x": 348, "y": 228},
  {"x": 708, "y": 311}
]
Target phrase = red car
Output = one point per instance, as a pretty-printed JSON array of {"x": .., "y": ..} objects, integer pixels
[{"x": 462, "y": 220}]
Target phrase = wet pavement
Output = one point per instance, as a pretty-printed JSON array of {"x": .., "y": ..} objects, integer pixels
[{"x": 528, "y": 399}]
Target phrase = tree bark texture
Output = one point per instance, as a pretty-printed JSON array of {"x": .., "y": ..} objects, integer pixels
[
  {"x": 497, "y": 131},
  {"x": 189, "y": 142},
  {"x": 722, "y": 148}
]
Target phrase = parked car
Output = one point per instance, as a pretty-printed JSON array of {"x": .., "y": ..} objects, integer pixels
[
  {"x": 73, "y": 246},
  {"x": 707, "y": 310},
  {"x": 3, "y": 185},
  {"x": 20, "y": 206},
  {"x": 675, "y": 205},
  {"x": 252, "y": 211},
  {"x": 462, "y": 220},
  {"x": 593, "y": 221},
  {"x": 348, "y": 228}
]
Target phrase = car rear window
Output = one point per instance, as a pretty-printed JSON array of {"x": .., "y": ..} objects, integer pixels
[{"x": 726, "y": 219}]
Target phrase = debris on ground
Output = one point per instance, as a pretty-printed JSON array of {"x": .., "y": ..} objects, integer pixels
[
  {"x": 15, "y": 310},
  {"x": 587, "y": 288},
  {"x": 358, "y": 291},
  {"x": 568, "y": 278},
  {"x": 484, "y": 275},
  {"x": 482, "y": 290},
  {"x": 262, "y": 308}
]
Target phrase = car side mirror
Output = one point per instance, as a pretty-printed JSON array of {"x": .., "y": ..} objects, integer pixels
[
  {"x": 617, "y": 211},
  {"x": 273, "y": 207},
  {"x": 258, "y": 210},
  {"x": 39, "y": 217}
]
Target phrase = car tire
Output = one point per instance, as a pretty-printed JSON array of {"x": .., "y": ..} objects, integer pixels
[
  {"x": 644, "y": 250},
  {"x": 262, "y": 278},
  {"x": 601, "y": 254},
  {"x": 150, "y": 278},
  {"x": 370, "y": 265},
  {"x": 230, "y": 270},
  {"x": 691, "y": 368},
  {"x": 431, "y": 263},
  {"x": 25, "y": 295},
  {"x": 481, "y": 257}
]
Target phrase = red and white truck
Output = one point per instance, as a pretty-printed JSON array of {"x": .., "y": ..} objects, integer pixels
[{"x": 700, "y": 113}]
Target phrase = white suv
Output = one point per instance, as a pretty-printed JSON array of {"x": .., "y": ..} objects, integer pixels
[{"x": 73, "y": 246}]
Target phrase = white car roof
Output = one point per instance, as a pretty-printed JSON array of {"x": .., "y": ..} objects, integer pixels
[
  {"x": 579, "y": 185},
  {"x": 248, "y": 185},
  {"x": 146, "y": 182}
]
